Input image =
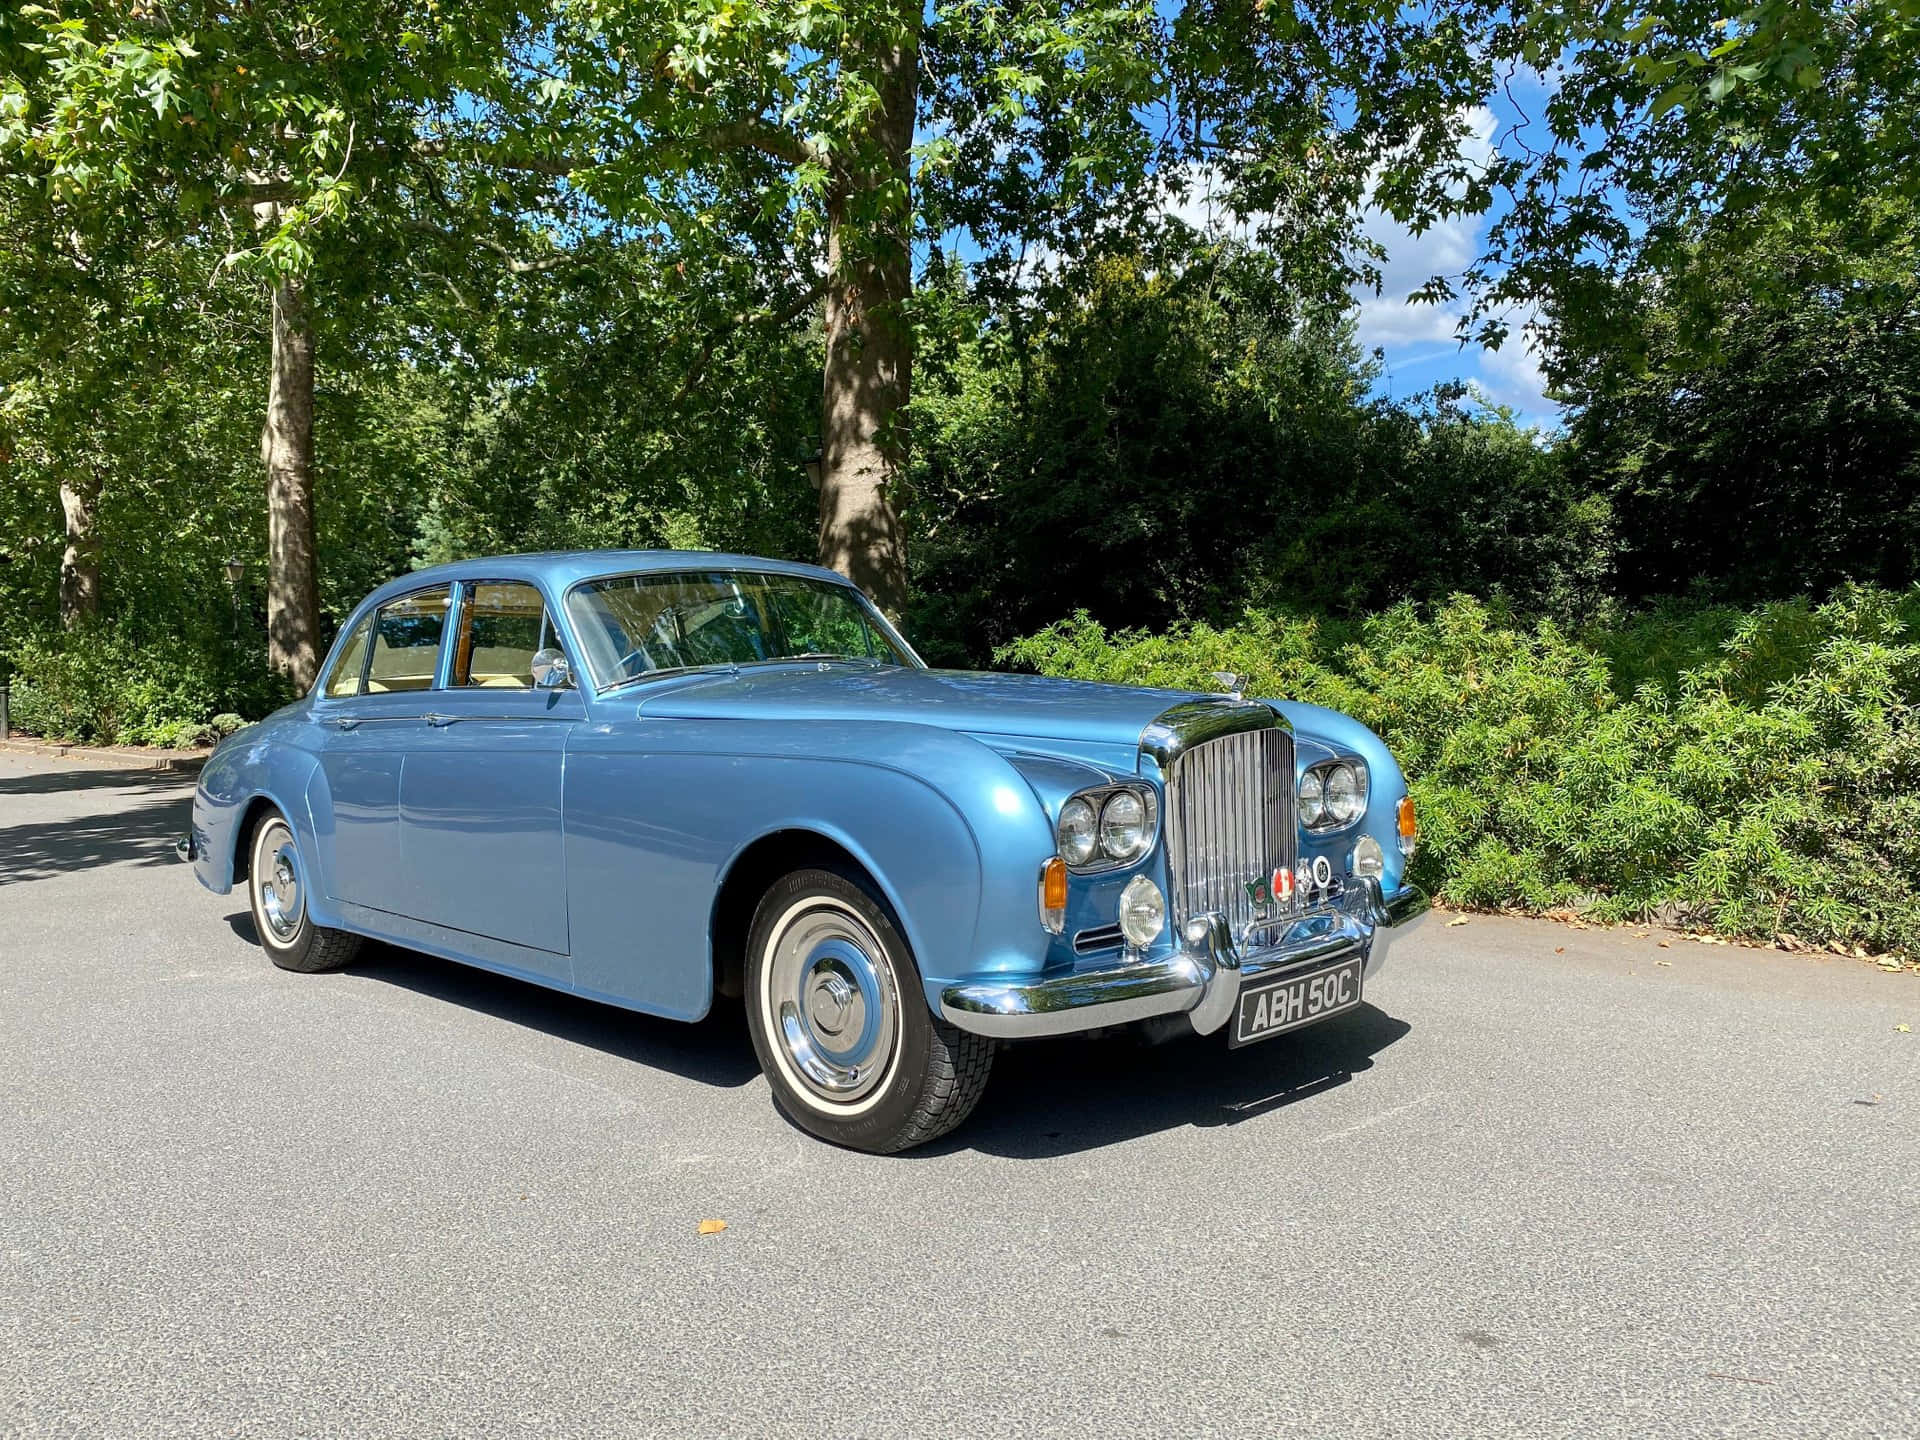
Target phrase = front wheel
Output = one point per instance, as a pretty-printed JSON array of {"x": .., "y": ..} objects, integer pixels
[
  {"x": 841, "y": 1026},
  {"x": 277, "y": 891}
]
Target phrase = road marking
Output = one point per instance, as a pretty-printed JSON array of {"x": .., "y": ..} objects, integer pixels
[{"x": 1384, "y": 1115}]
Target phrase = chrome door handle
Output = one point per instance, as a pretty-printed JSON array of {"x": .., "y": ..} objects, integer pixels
[
  {"x": 434, "y": 717},
  {"x": 346, "y": 722}
]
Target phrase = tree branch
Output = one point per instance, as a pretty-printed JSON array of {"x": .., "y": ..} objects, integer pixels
[{"x": 767, "y": 139}]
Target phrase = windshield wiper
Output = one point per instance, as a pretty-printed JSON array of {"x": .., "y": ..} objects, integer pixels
[{"x": 663, "y": 672}]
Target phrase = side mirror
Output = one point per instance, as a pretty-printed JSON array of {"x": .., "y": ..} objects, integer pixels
[{"x": 551, "y": 671}]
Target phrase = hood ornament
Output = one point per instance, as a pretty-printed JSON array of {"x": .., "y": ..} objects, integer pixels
[{"x": 1229, "y": 682}]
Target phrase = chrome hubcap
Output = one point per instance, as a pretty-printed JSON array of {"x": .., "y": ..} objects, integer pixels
[
  {"x": 833, "y": 1002},
  {"x": 280, "y": 898}
]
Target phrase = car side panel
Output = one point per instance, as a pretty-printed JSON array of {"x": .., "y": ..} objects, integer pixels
[{"x": 658, "y": 810}]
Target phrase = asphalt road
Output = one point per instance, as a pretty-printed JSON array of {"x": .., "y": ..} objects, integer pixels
[{"x": 1619, "y": 1190}]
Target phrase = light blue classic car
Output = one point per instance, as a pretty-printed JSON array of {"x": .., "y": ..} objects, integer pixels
[{"x": 654, "y": 779}]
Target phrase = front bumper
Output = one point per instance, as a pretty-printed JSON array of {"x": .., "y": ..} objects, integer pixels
[{"x": 1203, "y": 980}]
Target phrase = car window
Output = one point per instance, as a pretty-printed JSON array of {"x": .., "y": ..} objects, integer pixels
[
  {"x": 345, "y": 679},
  {"x": 503, "y": 625},
  {"x": 406, "y": 641},
  {"x": 633, "y": 625}
]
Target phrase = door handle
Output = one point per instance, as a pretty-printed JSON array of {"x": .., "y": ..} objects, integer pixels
[
  {"x": 346, "y": 722},
  {"x": 436, "y": 718}
]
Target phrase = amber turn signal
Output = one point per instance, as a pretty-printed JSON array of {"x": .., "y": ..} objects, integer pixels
[
  {"x": 1053, "y": 895},
  {"x": 1409, "y": 826}
]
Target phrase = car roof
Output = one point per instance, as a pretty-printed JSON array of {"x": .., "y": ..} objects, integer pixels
[{"x": 563, "y": 568}]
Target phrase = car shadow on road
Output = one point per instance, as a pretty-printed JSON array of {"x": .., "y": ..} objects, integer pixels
[
  {"x": 1059, "y": 1097},
  {"x": 149, "y": 813},
  {"x": 716, "y": 1051},
  {"x": 1046, "y": 1097}
]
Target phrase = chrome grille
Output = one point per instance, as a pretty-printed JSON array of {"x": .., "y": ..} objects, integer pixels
[{"x": 1229, "y": 823}]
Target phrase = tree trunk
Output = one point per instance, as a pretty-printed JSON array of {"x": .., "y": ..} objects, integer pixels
[
  {"x": 286, "y": 448},
  {"x": 869, "y": 361},
  {"x": 80, "y": 564}
]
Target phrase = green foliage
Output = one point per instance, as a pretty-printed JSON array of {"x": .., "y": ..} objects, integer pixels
[
  {"x": 1170, "y": 435},
  {"x": 1669, "y": 129},
  {"x": 104, "y": 685},
  {"x": 1758, "y": 434},
  {"x": 1752, "y": 772}
]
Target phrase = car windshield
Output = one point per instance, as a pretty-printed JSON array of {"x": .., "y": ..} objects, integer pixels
[{"x": 633, "y": 626}]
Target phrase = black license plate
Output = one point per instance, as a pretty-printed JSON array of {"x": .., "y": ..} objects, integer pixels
[{"x": 1283, "y": 1005}]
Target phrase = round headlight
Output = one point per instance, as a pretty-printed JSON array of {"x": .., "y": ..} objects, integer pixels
[
  {"x": 1123, "y": 826},
  {"x": 1344, "y": 798},
  {"x": 1076, "y": 832},
  {"x": 1312, "y": 799},
  {"x": 1143, "y": 912}
]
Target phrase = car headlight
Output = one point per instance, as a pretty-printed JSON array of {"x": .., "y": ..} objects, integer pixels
[
  {"x": 1107, "y": 825},
  {"x": 1333, "y": 794},
  {"x": 1312, "y": 799},
  {"x": 1123, "y": 826},
  {"x": 1077, "y": 833},
  {"x": 1345, "y": 799}
]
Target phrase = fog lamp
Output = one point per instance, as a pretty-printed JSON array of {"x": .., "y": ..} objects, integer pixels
[
  {"x": 1369, "y": 860},
  {"x": 1143, "y": 912}
]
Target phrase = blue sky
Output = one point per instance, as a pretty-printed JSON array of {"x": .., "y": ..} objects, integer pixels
[{"x": 1417, "y": 341}]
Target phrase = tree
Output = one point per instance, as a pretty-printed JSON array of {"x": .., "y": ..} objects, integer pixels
[
  {"x": 1758, "y": 436},
  {"x": 867, "y": 129},
  {"x": 270, "y": 131},
  {"x": 1672, "y": 131}
]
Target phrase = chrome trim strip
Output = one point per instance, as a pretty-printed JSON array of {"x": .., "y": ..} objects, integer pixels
[
  {"x": 1098, "y": 937},
  {"x": 1203, "y": 981}
]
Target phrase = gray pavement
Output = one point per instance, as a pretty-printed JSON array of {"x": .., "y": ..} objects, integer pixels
[{"x": 1547, "y": 1183}]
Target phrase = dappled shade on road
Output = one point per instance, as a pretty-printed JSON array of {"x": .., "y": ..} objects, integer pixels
[{"x": 124, "y": 818}]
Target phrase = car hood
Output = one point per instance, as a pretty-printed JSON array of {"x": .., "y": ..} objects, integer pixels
[{"x": 977, "y": 702}]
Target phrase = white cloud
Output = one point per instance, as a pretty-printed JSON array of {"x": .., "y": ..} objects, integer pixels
[
  {"x": 1512, "y": 376},
  {"x": 1418, "y": 339}
]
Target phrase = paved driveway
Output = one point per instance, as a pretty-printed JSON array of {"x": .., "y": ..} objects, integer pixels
[{"x": 1618, "y": 1190}]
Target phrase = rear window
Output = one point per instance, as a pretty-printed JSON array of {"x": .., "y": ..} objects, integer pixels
[{"x": 406, "y": 641}]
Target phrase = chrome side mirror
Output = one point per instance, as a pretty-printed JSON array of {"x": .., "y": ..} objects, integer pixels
[{"x": 551, "y": 671}]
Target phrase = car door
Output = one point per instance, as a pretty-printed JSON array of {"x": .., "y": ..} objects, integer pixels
[
  {"x": 480, "y": 797},
  {"x": 369, "y": 712}
]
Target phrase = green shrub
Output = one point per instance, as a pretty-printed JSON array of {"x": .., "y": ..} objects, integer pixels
[
  {"x": 1753, "y": 773},
  {"x": 101, "y": 686}
]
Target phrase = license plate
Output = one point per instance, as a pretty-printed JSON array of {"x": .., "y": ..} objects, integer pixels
[{"x": 1267, "y": 1010}]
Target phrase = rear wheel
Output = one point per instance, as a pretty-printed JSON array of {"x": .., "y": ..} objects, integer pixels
[
  {"x": 842, "y": 1027},
  {"x": 277, "y": 891}
]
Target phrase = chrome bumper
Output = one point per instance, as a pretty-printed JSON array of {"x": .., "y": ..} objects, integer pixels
[{"x": 1203, "y": 980}]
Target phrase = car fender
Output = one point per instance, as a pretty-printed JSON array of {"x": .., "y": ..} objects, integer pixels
[{"x": 660, "y": 811}]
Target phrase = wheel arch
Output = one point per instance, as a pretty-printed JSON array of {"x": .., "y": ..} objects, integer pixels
[
  {"x": 251, "y": 818},
  {"x": 755, "y": 870}
]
